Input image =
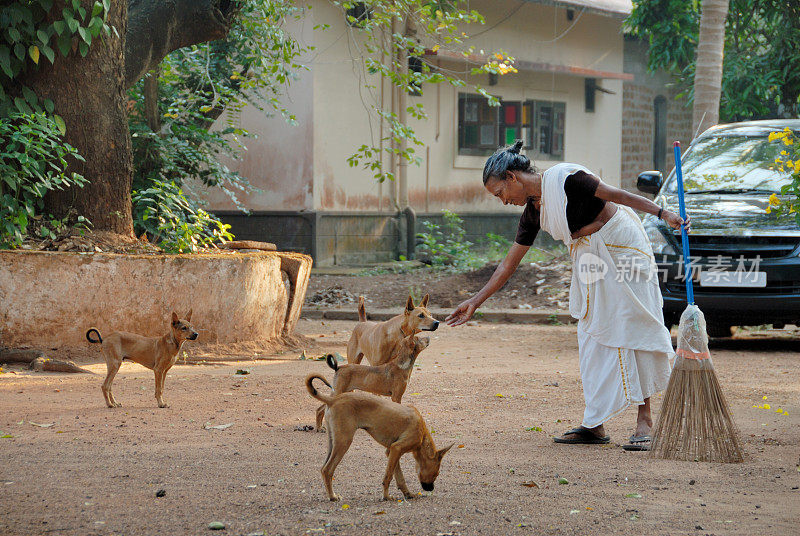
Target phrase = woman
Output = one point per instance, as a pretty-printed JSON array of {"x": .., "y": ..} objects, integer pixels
[{"x": 623, "y": 346}]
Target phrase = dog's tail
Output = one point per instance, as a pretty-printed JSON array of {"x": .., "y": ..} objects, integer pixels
[
  {"x": 362, "y": 310},
  {"x": 313, "y": 391},
  {"x": 331, "y": 360},
  {"x": 91, "y": 340}
]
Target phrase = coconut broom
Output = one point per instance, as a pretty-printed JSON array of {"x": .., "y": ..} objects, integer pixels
[{"x": 695, "y": 422}]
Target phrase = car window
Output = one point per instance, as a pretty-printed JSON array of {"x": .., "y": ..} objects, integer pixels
[{"x": 731, "y": 162}]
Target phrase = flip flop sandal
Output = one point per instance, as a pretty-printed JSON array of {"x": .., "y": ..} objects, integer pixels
[
  {"x": 638, "y": 443},
  {"x": 582, "y": 437}
]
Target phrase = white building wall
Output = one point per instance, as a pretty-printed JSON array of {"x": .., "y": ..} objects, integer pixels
[{"x": 335, "y": 118}]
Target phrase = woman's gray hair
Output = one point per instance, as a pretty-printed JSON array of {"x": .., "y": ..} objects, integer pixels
[{"x": 507, "y": 159}]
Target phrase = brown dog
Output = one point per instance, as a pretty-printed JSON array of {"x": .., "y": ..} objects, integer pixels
[
  {"x": 380, "y": 341},
  {"x": 389, "y": 379},
  {"x": 399, "y": 428},
  {"x": 156, "y": 353}
]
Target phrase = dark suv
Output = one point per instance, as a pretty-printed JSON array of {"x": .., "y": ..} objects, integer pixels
[{"x": 745, "y": 261}]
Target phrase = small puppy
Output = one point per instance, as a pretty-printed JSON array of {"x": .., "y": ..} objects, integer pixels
[
  {"x": 399, "y": 428},
  {"x": 156, "y": 353},
  {"x": 389, "y": 379},
  {"x": 380, "y": 341}
]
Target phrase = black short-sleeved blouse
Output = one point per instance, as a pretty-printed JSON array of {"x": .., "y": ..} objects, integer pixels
[{"x": 582, "y": 207}]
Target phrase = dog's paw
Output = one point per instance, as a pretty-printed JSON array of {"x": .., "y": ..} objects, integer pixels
[
  {"x": 163, "y": 405},
  {"x": 335, "y": 498}
]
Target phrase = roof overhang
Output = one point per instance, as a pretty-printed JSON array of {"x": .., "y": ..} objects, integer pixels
[
  {"x": 533, "y": 66},
  {"x": 609, "y": 8}
]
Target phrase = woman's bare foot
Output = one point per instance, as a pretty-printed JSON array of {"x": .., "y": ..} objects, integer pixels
[{"x": 644, "y": 420}]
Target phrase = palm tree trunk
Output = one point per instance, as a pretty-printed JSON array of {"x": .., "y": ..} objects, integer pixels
[{"x": 708, "y": 71}]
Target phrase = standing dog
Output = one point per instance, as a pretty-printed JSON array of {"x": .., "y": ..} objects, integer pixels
[
  {"x": 380, "y": 341},
  {"x": 399, "y": 428},
  {"x": 156, "y": 353},
  {"x": 389, "y": 379}
]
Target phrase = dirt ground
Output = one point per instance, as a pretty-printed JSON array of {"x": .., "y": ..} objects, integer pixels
[
  {"x": 533, "y": 286},
  {"x": 72, "y": 466}
]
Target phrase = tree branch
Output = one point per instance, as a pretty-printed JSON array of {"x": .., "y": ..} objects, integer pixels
[{"x": 157, "y": 27}]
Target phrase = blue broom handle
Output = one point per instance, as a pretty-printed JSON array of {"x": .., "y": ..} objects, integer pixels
[{"x": 684, "y": 235}]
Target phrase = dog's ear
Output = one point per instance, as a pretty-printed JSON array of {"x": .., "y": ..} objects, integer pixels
[
  {"x": 441, "y": 453},
  {"x": 409, "y": 305},
  {"x": 174, "y": 317},
  {"x": 189, "y": 315},
  {"x": 424, "y": 302}
]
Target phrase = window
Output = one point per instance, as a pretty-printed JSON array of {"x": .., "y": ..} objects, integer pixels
[
  {"x": 482, "y": 128},
  {"x": 477, "y": 125}
]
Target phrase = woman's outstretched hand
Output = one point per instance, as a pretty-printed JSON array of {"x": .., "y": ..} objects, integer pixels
[
  {"x": 462, "y": 313},
  {"x": 675, "y": 221}
]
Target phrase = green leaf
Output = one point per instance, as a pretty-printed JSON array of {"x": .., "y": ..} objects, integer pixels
[
  {"x": 86, "y": 36},
  {"x": 5, "y": 61},
  {"x": 33, "y": 52},
  {"x": 29, "y": 95},
  {"x": 49, "y": 54},
  {"x": 83, "y": 48},
  {"x": 59, "y": 26},
  {"x": 43, "y": 37},
  {"x": 13, "y": 33},
  {"x": 97, "y": 9},
  {"x": 62, "y": 127},
  {"x": 65, "y": 44},
  {"x": 49, "y": 106},
  {"x": 22, "y": 106}
]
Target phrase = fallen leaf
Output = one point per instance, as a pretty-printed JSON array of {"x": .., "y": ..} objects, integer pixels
[
  {"x": 208, "y": 426},
  {"x": 242, "y": 371},
  {"x": 530, "y": 484},
  {"x": 42, "y": 425},
  {"x": 563, "y": 480},
  {"x": 633, "y": 495},
  {"x": 379, "y": 513},
  {"x": 461, "y": 446},
  {"x": 216, "y": 525},
  {"x": 345, "y": 506},
  {"x": 6, "y": 436},
  {"x": 571, "y": 512}
]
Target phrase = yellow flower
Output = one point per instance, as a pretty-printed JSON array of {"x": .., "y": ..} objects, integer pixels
[
  {"x": 768, "y": 210},
  {"x": 775, "y": 136},
  {"x": 784, "y": 153},
  {"x": 764, "y": 398},
  {"x": 789, "y": 163},
  {"x": 773, "y": 200},
  {"x": 435, "y": 48},
  {"x": 797, "y": 166},
  {"x": 788, "y": 141},
  {"x": 498, "y": 56},
  {"x": 766, "y": 406}
]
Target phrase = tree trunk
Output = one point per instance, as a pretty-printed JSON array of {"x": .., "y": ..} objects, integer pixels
[
  {"x": 708, "y": 71},
  {"x": 89, "y": 95}
]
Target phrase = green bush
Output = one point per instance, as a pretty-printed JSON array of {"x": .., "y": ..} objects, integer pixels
[
  {"x": 176, "y": 223},
  {"x": 33, "y": 161}
]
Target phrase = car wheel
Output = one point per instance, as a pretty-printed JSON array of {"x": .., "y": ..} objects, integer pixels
[{"x": 718, "y": 331}]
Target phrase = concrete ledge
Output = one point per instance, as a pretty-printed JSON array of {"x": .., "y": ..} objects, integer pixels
[
  {"x": 513, "y": 316},
  {"x": 49, "y": 299}
]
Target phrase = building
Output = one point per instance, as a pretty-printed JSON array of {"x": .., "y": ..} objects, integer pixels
[{"x": 567, "y": 102}]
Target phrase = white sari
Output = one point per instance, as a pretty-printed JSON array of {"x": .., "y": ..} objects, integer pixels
[{"x": 623, "y": 346}]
